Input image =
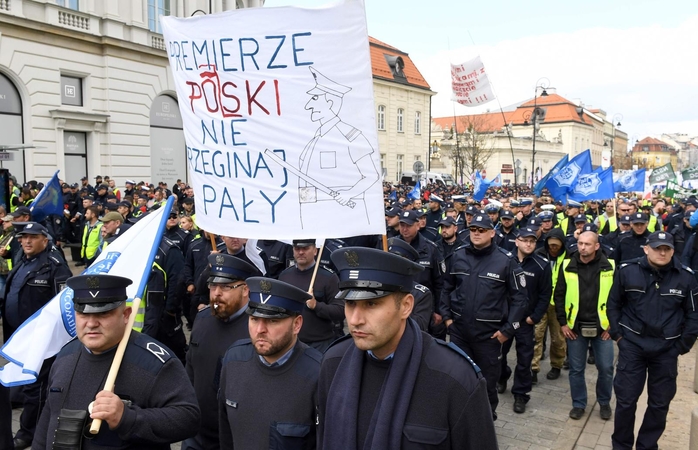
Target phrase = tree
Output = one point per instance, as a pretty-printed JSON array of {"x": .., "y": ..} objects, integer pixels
[{"x": 474, "y": 145}]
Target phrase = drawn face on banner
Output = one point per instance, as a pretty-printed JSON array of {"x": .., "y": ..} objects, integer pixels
[{"x": 320, "y": 107}]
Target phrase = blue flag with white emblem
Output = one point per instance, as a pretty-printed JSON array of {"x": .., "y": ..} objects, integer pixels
[
  {"x": 631, "y": 182},
  {"x": 538, "y": 188},
  {"x": 566, "y": 178},
  {"x": 597, "y": 185},
  {"x": 415, "y": 193},
  {"x": 480, "y": 187},
  {"x": 49, "y": 329},
  {"x": 49, "y": 201}
]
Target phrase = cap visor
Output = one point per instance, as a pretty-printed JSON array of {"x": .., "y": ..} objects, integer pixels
[
  {"x": 316, "y": 91},
  {"x": 96, "y": 307},
  {"x": 219, "y": 279},
  {"x": 361, "y": 294},
  {"x": 659, "y": 244},
  {"x": 266, "y": 313}
]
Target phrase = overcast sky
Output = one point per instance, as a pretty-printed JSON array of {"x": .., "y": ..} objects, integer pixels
[{"x": 636, "y": 58}]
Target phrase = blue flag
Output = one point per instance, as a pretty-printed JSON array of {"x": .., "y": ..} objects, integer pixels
[
  {"x": 631, "y": 182},
  {"x": 597, "y": 185},
  {"x": 49, "y": 201},
  {"x": 480, "y": 187},
  {"x": 566, "y": 178},
  {"x": 393, "y": 195},
  {"x": 538, "y": 188},
  {"x": 497, "y": 181},
  {"x": 415, "y": 193}
]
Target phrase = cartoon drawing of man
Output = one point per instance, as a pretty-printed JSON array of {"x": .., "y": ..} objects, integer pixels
[{"x": 337, "y": 161}]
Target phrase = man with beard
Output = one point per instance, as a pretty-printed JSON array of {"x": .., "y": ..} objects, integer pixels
[
  {"x": 506, "y": 231},
  {"x": 216, "y": 328},
  {"x": 268, "y": 393},
  {"x": 449, "y": 237}
]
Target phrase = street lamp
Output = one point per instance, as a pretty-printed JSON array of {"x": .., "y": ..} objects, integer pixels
[
  {"x": 615, "y": 122},
  {"x": 536, "y": 116}
]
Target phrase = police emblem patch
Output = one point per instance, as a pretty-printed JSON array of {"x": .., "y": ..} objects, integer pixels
[
  {"x": 92, "y": 282},
  {"x": 220, "y": 259},
  {"x": 352, "y": 258},
  {"x": 265, "y": 286},
  {"x": 522, "y": 280}
]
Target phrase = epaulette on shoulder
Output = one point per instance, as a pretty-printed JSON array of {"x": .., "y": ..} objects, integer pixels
[
  {"x": 459, "y": 351},
  {"x": 348, "y": 131},
  {"x": 168, "y": 241},
  {"x": 205, "y": 308},
  {"x": 313, "y": 354},
  {"x": 421, "y": 287},
  {"x": 55, "y": 260},
  {"x": 430, "y": 242},
  {"x": 332, "y": 350},
  {"x": 241, "y": 350},
  {"x": 687, "y": 269},
  {"x": 153, "y": 348},
  {"x": 506, "y": 252},
  {"x": 457, "y": 248}
]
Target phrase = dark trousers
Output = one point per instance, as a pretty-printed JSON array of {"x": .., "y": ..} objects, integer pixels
[
  {"x": 523, "y": 382},
  {"x": 487, "y": 355},
  {"x": 5, "y": 419},
  {"x": 634, "y": 365},
  {"x": 34, "y": 399}
]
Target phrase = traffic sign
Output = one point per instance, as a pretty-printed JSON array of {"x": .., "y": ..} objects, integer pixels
[{"x": 418, "y": 167}]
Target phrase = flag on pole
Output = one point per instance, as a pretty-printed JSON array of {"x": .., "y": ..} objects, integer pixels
[
  {"x": 631, "y": 182},
  {"x": 480, "y": 186},
  {"x": 49, "y": 201},
  {"x": 663, "y": 173},
  {"x": 690, "y": 173},
  {"x": 497, "y": 181},
  {"x": 566, "y": 178},
  {"x": 53, "y": 326},
  {"x": 470, "y": 84},
  {"x": 538, "y": 188},
  {"x": 597, "y": 185}
]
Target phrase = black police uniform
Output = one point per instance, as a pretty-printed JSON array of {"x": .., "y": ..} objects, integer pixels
[
  {"x": 263, "y": 404},
  {"x": 506, "y": 240},
  {"x": 433, "y": 219},
  {"x": 278, "y": 253},
  {"x": 631, "y": 247},
  {"x": 427, "y": 394},
  {"x": 655, "y": 314},
  {"x": 195, "y": 262},
  {"x": 33, "y": 282},
  {"x": 539, "y": 286},
  {"x": 446, "y": 248},
  {"x": 423, "y": 298},
  {"x": 482, "y": 295}
]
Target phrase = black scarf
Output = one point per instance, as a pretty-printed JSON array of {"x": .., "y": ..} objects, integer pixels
[{"x": 389, "y": 416}]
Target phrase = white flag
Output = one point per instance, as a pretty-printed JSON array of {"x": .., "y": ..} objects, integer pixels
[
  {"x": 470, "y": 84},
  {"x": 53, "y": 326}
]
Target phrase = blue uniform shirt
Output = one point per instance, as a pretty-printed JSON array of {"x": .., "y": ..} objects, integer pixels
[{"x": 12, "y": 300}]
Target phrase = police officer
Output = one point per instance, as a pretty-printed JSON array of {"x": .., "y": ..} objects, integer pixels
[
  {"x": 506, "y": 231},
  {"x": 279, "y": 254},
  {"x": 392, "y": 221},
  {"x": 39, "y": 274},
  {"x": 653, "y": 319},
  {"x": 393, "y": 386},
  {"x": 567, "y": 223},
  {"x": 632, "y": 246},
  {"x": 152, "y": 404},
  {"x": 268, "y": 388},
  {"x": 434, "y": 213},
  {"x": 538, "y": 285},
  {"x": 525, "y": 214},
  {"x": 215, "y": 329},
  {"x": 322, "y": 308},
  {"x": 482, "y": 301},
  {"x": 431, "y": 259},
  {"x": 449, "y": 237},
  {"x": 423, "y": 298}
]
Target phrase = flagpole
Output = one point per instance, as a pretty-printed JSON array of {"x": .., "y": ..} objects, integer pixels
[{"x": 121, "y": 349}]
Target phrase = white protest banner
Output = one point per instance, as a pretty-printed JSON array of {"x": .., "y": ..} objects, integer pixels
[
  {"x": 278, "y": 113},
  {"x": 470, "y": 84}
]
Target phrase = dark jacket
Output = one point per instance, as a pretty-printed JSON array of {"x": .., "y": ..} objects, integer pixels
[
  {"x": 654, "y": 309},
  {"x": 432, "y": 260},
  {"x": 482, "y": 293},
  {"x": 631, "y": 247},
  {"x": 40, "y": 286},
  {"x": 538, "y": 284}
]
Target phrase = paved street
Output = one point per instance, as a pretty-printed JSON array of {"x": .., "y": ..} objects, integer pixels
[{"x": 546, "y": 424}]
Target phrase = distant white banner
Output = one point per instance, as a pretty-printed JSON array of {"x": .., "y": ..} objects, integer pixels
[
  {"x": 278, "y": 113},
  {"x": 470, "y": 84}
]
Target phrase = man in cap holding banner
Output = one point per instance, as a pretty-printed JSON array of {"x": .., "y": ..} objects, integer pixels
[
  {"x": 149, "y": 375},
  {"x": 268, "y": 384}
]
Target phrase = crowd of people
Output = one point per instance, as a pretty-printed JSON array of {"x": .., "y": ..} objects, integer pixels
[{"x": 431, "y": 320}]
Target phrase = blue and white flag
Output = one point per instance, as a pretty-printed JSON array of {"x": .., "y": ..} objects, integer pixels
[
  {"x": 415, "y": 193},
  {"x": 597, "y": 185},
  {"x": 564, "y": 181},
  {"x": 49, "y": 201},
  {"x": 631, "y": 182},
  {"x": 480, "y": 186},
  {"x": 497, "y": 181},
  {"x": 53, "y": 326},
  {"x": 538, "y": 188}
]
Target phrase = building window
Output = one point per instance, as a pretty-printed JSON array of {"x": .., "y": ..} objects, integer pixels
[
  {"x": 418, "y": 123},
  {"x": 381, "y": 117},
  {"x": 400, "y": 115},
  {"x": 400, "y": 159},
  {"x": 70, "y": 4},
  {"x": 71, "y": 91},
  {"x": 155, "y": 9},
  {"x": 382, "y": 160}
]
